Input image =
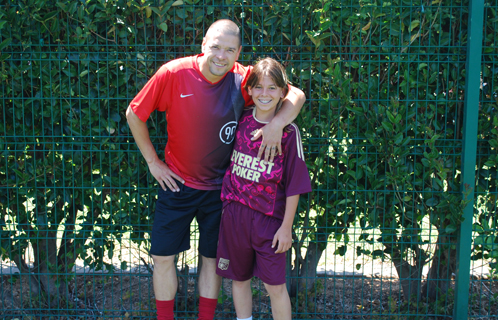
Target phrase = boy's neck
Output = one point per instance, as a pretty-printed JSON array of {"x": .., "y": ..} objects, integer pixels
[{"x": 262, "y": 116}]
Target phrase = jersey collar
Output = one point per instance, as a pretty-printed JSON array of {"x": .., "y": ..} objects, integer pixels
[{"x": 254, "y": 116}]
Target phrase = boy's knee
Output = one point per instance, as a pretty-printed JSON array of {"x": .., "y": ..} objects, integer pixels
[
  {"x": 276, "y": 289},
  {"x": 241, "y": 284}
]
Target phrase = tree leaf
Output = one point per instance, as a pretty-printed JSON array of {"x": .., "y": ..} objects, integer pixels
[
  {"x": 432, "y": 202},
  {"x": 163, "y": 26},
  {"x": 313, "y": 37},
  {"x": 50, "y": 15},
  {"x": 5, "y": 43},
  {"x": 450, "y": 229},
  {"x": 413, "y": 25}
]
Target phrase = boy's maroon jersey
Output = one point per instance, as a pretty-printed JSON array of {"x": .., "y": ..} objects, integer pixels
[
  {"x": 265, "y": 187},
  {"x": 201, "y": 118}
]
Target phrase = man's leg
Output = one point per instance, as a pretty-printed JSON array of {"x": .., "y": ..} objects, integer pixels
[
  {"x": 280, "y": 301},
  {"x": 209, "y": 281},
  {"x": 242, "y": 298},
  {"x": 165, "y": 286},
  {"x": 208, "y": 218},
  {"x": 209, "y": 288}
]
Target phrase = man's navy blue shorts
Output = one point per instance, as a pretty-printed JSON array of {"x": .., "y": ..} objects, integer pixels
[{"x": 174, "y": 214}]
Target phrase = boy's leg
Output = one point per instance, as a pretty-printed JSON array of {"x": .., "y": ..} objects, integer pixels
[
  {"x": 242, "y": 298},
  {"x": 280, "y": 301},
  {"x": 235, "y": 255},
  {"x": 270, "y": 266}
]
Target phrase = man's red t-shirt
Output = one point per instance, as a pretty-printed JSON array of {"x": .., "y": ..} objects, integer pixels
[{"x": 201, "y": 118}]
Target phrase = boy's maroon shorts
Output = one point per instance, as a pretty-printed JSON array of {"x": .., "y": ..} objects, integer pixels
[{"x": 244, "y": 246}]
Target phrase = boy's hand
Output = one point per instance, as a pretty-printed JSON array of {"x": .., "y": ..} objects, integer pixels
[{"x": 284, "y": 239}]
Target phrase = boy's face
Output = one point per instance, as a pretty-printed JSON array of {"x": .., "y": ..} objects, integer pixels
[
  {"x": 220, "y": 53},
  {"x": 265, "y": 95}
]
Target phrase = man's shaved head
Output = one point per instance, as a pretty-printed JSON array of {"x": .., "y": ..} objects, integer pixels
[
  {"x": 225, "y": 26},
  {"x": 221, "y": 48}
]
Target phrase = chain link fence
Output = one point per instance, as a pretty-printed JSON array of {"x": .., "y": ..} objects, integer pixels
[{"x": 389, "y": 116}]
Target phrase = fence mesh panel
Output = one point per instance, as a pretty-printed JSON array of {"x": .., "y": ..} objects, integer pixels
[{"x": 381, "y": 127}]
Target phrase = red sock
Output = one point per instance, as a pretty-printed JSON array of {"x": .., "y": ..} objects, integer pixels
[
  {"x": 206, "y": 308},
  {"x": 165, "y": 309}
]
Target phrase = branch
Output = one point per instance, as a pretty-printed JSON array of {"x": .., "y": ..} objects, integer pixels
[{"x": 147, "y": 265}]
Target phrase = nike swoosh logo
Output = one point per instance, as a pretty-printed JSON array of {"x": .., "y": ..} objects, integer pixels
[{"x": 186, "y": 95}]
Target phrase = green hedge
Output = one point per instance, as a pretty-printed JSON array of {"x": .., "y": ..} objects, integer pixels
[{"x": 382, "y": 126}]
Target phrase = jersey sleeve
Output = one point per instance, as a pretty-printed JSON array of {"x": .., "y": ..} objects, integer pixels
[
  {"x": 296, "y": 175},
  {"x": 245, "y": 94},
  {"x": 154, "y": 94}
]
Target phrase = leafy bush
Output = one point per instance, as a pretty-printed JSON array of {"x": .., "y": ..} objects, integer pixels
[{"x": 382, "y": 127}]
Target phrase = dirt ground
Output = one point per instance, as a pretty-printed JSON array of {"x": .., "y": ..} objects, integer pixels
[{"x": 130, "y": 296}]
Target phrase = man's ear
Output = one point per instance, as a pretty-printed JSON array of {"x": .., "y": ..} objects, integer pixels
[
  {"x": 238, "y": 53},
  {"x": 203, "y": 44}
]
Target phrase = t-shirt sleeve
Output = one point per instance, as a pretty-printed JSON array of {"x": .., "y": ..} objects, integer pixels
[
  {"x": 245, "y": 94},
  {"x": 296, "y": 175},
  {"x": 153, "y": 95}
]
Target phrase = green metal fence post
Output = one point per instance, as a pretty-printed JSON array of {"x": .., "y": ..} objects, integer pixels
[{"x": 471, "y": 103}]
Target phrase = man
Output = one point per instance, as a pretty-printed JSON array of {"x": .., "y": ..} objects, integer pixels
[{"x": 203, "y": 98}]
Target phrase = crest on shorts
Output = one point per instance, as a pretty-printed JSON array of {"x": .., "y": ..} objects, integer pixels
[{"x": 223, "y": 264}]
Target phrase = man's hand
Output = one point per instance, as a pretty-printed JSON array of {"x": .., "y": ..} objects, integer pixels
[
  {"x": 160, "y": 170},
  {"x": 284, "y": 239},
  {"x": 271, "y": 144},
  {"x": 164, "y": 175}
]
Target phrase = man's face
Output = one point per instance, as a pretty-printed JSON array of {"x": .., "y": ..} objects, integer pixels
[{"x": 220, "y": 53}]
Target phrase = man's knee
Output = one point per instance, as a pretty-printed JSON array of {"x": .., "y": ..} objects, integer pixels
[
  {"x": 163, "y": 261},
  {"x": 209, "y": 262}
]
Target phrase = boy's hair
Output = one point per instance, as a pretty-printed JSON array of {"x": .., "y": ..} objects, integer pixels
[{"x": 270, "y": 68}]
